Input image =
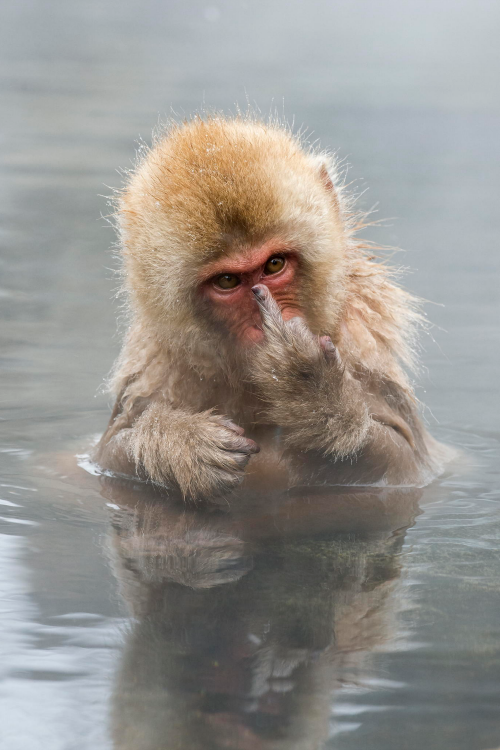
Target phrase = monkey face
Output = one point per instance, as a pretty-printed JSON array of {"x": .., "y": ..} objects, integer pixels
[
  {"x": 226, "y": 288},
  {"x": 218, "y": 207}
]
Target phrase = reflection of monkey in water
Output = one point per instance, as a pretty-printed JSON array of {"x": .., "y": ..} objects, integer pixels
[
  {"x": 254, "y": 309},
  {"x": 244, "y": 628}
]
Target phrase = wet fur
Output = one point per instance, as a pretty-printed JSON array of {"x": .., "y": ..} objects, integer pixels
[{"x": 208, "y": 188}]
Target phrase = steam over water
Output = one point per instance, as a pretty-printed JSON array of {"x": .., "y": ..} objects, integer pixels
[{"x": 319, "y": 619}]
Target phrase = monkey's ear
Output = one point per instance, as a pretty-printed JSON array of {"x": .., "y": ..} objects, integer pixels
[
  {"x": 327, "y": 182},
  {"x": 325, "y": 178}
]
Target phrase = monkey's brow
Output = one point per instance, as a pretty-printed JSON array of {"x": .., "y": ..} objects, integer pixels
[{"x": 241, "y": 262}]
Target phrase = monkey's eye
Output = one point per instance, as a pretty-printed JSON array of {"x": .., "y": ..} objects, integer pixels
[
  {"x": 227, "y": 281},
  {"x": 274, "y": 264}
]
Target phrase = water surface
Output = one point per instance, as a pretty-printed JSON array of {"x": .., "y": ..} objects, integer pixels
[{"x": 320, "y": 619}]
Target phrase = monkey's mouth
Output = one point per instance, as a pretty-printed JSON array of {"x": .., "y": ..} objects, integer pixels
[{"x": 252, "y": 334}]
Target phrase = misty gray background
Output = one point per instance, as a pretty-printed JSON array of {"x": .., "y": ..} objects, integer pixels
[{"x": 408, "y": 93}]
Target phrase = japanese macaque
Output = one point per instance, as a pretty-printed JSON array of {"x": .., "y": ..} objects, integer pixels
[{"x": 257, "y": 321}]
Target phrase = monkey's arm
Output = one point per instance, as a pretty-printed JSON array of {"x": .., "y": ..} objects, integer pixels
[
  {"x": 322, "y": 407},
  {"x": 201, "y": 454}
]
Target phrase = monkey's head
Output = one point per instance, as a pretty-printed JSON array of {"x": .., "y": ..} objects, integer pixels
[{"x": 218, "y": 206}]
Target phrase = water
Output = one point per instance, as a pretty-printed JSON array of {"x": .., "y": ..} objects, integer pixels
[{"x": 346, "y": 621}]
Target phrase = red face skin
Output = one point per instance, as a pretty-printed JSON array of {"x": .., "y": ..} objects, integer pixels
[{"x": 237, "y": 308}]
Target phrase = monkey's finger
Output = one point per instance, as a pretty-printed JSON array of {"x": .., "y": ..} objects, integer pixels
[
  {"x": 269, "y": 310},
  {"x": 245, "y": 445},
  {"x": 234, "y": 442},
  {"x": 330, "y": 350},
  {"x": 232, "y": 426}
]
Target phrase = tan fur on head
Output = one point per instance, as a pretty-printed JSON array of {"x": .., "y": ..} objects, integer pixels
[{"x": 210, "y": 185}]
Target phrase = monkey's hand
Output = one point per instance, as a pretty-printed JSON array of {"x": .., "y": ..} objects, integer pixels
[
  {"x": 306, "y": 387},
  {"x": 203, "y": 454}
]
